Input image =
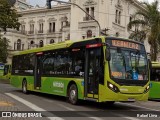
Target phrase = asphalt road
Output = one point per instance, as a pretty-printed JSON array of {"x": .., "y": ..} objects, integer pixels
[{"x": 57, "y": 108}]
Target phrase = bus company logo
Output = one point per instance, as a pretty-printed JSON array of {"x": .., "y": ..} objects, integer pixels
[
  {"x": 6, "y": 114},
  {"x": 58, "y": 84}
]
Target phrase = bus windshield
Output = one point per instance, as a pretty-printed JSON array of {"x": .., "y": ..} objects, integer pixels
[{"x": 128, "y": 64}]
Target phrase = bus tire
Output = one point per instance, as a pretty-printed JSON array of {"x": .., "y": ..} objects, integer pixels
[
  {"x": 73, "y": 94},
  {"x": 24, "y": 87}
]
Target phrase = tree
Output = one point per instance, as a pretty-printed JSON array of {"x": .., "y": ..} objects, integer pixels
[
  {"x": 4, "y": 45},
  {"x": 8, "y": 16},
  {"x": 149, "y": 22},
  {"x": 8, "y": 19}
]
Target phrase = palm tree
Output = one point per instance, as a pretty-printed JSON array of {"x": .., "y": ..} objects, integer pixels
[{"x": 147, "y": 24}]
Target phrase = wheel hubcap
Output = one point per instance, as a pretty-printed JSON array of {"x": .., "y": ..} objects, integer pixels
[
  {"x": 24, "y": 87},
  {"x": 73, "y": 94}
]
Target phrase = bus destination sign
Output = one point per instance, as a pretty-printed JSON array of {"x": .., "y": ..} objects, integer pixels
[{"x": 125, "y": 44}]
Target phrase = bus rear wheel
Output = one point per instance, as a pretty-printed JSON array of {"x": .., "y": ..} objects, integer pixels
[
  {"x": 73, "y": 94},
  {"x": 24, "y": 87}
]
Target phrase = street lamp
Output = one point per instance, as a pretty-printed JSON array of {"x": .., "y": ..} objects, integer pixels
[{"x": 49, "y": 7}]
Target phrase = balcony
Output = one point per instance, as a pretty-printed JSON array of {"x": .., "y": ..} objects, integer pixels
[
  {"x": 23, "y": 32},
  {"x": 16, "y": 31},
  {"x": 50, "y": 31},
  {"x": 30, "y": 32},
  {"x": 87, "y": 18},
  {"x": 40, "y": 31}
]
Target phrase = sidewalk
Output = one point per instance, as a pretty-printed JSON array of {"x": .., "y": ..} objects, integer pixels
[
  {"x": 4, "y": 81},
  {"x": 10, "y": 105},
  {"x": 7, "y": 105}
]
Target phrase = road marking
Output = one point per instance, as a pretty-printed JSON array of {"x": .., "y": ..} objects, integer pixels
[
  {"x": 84, "y": 114},
  {"x": 32, "y": 106},
  {"x": 139, "y": 106}
]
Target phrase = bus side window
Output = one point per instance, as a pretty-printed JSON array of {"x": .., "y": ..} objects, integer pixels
[
  {"x": 77, "y": 56},
  {"x": 155, "y": 75}
]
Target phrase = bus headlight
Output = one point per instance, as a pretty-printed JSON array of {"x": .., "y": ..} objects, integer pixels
[
  {"x": 112, "y": 87},
  {"x": 147, "y": 89}
]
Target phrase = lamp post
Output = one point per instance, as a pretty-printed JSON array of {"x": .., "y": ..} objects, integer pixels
[{"x": 49, "y": 7}]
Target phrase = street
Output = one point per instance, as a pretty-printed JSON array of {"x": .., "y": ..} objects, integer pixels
[{"x": 56, "y": 108}]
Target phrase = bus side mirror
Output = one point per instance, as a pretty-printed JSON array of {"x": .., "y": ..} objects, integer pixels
[{"x": 108, "y": 54}]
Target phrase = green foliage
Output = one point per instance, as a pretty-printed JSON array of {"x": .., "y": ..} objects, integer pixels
[
  {"x": 4, "y": 45},
  {"x": 147, "y": 23},
  {"x": 8, "y": 16},
  {"x": 8, "y": 19}
]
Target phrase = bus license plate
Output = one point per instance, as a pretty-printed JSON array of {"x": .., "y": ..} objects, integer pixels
[{"x": 131, "y": 99}]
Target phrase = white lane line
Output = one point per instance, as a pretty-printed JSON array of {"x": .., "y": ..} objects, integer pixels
[
  {"x": 138, "y": 106},
  {"x": 32, "y": 106},
  {"x": 84, "y": 114}
]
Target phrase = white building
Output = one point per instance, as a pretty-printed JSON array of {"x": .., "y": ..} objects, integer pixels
[{"x": 41, "y": 26}]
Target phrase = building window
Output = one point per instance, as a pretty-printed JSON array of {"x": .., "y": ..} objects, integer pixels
[
  {"x": 23, "y": 29},
  {"x": 31, "y": 29},
  {"x": 22, "y": 46},
  {"x": 90, "y": 11},
  {"x": 32, "y": 42},
  {"x": 130, "y": 19},
  {"x": 15, "y": 45},
  {"x": 41, "y": 43},
  {"x": 18, "y": 44},
  {"x": 52, "y": 27},
  {"x": 40, "y": 28},
  {"x": 118, "y": 17},
  {"x": 89, "y": 34},
  {"x": 87, "y": 10},
  {"x": 51, "y": 41}
]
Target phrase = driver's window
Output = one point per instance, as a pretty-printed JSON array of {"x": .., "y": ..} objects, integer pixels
[{"x": 117, "y": 64}]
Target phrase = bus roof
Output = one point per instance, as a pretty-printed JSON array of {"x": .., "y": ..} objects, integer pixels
[
  {"x": 65, "y": 44},
  {"x": 155, "y": 64}
]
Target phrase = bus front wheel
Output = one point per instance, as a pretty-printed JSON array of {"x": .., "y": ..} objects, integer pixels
[
  {"x": 24, "y": 87},
  {"x": 73, "y": 94}
]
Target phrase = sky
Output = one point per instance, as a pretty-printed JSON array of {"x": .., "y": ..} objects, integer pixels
[
  {"x": 43, "y": 2},
  {"x": 39, "y": 2}
]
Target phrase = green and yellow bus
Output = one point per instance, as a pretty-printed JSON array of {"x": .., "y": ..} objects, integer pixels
[
  {"x": 1, "y": 69},
  {"x": 154, "y": 92},
  {"x": 101, "y": 69},
  {"x": 6, "y": 72}
]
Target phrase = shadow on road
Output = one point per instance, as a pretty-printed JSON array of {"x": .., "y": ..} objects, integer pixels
[{"x": 87, "y": 104}]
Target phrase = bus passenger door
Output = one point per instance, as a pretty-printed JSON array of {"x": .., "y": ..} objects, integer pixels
[
  {"x": 91, "y": 78},
  {"x": 38, "y": 71}
]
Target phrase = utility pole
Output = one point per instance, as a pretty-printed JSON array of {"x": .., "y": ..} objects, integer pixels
[{"x": 49, "y": 7}]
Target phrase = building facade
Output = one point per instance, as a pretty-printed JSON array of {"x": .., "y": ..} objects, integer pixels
[{"x": 41, "y": 26}]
